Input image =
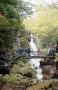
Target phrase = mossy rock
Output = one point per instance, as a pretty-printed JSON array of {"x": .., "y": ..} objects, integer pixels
[
  {"x": 24, "y": 81},
  {"x": 27, "y": 70},
  {"x": 2, "y": 81},
  {"x": 16, "y": 67},
  {"x": 11, "y": 78},
  {"x": 56, "y": 59}
]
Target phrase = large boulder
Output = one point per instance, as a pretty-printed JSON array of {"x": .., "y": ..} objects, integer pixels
[
  {"x": 28, "y": 71},
  {"x": 24, "y": 70},
  {"x": 48, "y": 72}
]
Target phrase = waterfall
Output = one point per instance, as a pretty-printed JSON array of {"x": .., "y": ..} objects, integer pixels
[{"x": 35, "y": 63}]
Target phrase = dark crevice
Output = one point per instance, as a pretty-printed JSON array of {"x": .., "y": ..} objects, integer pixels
[
  {"x": 4, "y": 71},
  {"x": 28, "y": 75}
]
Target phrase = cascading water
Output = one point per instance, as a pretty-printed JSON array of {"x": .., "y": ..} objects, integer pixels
[{"x": 35, "y": 63}]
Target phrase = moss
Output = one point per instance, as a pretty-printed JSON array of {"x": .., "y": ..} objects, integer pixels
[
  {"x": 56, "y": 59},
  {"x": 22, "y": 60},
  {"x": 16, "y": 67},
  {"x": 23, "y": 81},
  {"x": 24, "y": 42},
  {"x": 20, "y": 64},
  {"x": 0, "y": 80},
  {"x": 10, "y": 78},
  {"x": 25, "y": 69}
]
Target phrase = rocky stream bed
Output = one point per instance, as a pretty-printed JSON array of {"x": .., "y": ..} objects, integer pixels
[{"x": 23, "y": 77}]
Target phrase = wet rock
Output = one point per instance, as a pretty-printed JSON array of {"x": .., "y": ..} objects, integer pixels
[
  {"x": 36, "y": 67},
  {"x": 55, "y": 75},
  {"x": 43, "y": 63},
  {"x": 29, "y": 74},
  {"x": 47, "y": 72},
  {"x": 32, "y": 82}
]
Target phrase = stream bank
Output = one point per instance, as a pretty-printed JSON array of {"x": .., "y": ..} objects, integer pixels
[{"x": 21, "y": 76}]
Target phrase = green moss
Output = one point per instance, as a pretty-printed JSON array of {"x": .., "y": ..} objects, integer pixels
[
  {"x": 24, "y": 42},
  {"x": 22, "y": 60},
  {"x": 25, "y": 69},
  {"x": 56, "y": 59},
  {"x": 11, "y": 78},
  {"x": 24, "y": 81},
  {"x": 0, "y": 75},
  {"x": 16, "y": 67},
  {"x": 20, "y": 64}
]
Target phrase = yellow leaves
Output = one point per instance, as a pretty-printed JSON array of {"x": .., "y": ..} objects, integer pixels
[
  {"x": 41, "y": 85},
  {"x": 45, "y": 21},
  {"x": 1, "y": 15},
  {"x": 30, "y": 24}
]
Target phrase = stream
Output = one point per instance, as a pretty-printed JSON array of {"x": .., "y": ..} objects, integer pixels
[{"x": 35, "y": 63}]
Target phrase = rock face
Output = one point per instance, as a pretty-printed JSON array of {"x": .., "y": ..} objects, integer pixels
[{"x": 17, "y": 44}]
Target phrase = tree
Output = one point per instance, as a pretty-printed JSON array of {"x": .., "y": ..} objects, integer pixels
[
  {"x": 45, "y": 23},
  {"x": 11, "y": 13}
]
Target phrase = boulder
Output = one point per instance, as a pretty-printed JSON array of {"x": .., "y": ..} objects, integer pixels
[
  {"x": 28, "y": 71},
  {"x": 47, "y": 72}
]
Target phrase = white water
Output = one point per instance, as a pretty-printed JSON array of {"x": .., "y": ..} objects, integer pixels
[{"x": 35, "y": 63}]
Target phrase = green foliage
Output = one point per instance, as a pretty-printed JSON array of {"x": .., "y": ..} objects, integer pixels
[
  {"x": 24, "y": 42},
  {"x": 44, "y": 24},
  {"x": 22, "y": 60},
  {"x": 16, "y": 67},
  {"x": 24, "y": 81},
  {"x": 10, "y": 78},
  {"x": 4, "y": 23},
  {"x": 56, "y": 59},
  {"x": 11, "y": 17},
  {"x": 0, "y": 75},
  {"x": 25, "y": 70}
]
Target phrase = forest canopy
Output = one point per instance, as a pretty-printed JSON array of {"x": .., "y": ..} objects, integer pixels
[
  {"x": 12, "y": 13},
  {"x": 44, "y": 23}
]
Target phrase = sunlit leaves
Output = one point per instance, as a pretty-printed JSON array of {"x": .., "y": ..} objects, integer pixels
[
  {"x": 44, "y": 24},
  {"x": 4, "y": 23},
  {"x": 11, "y": 17}
]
